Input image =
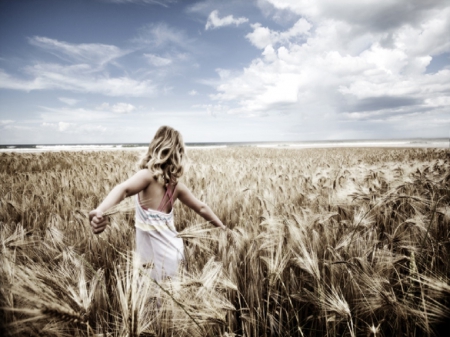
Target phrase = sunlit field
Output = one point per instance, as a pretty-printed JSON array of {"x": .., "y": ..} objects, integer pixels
[{"x": 324, "y": 242}]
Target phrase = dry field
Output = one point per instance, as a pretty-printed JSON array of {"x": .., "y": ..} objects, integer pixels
[{"x": 324, "y": 242}]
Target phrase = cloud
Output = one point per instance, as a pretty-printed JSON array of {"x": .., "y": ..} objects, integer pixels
[
  {"x": 215, "y": 22},
  {"x": 157, "y": 61},
  {"x": 164, "y": 3},
  {"x": 50, "y": 125},
  {"x": 88, "y": 128},
  {"x": 76, "y": 78},
  {"x": 160, "y": 35},
  {"x": 75, "y": 115},
  {"x": 121, "y": 108},
  {"x": 17, "y": 127},
  {"x": 86, "y": 72},
  {"x": 68, "y": 101},
  {"x": 73, "y": 128},
  {"x": 193, "y": 93},
  {"x": 9, "y": 82},
  {"x": 92, "y": 53},
  {"x": 429, "y": 37},
  {"x": 63, "y": 126},
  {"x": 368, "y": 14},
  {"x": 330, "y": 67},
  {"x": 6, "y": 121},
  {"x": 261, "y": 37},
  {"x": 212, "y": 109}
]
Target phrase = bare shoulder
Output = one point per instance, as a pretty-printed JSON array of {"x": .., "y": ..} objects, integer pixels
[
  {"x": 146, "y": 175},
  {"x": 180, "y": 190},
  {"x": 181, "y": 187},
  {"x": 139, "y": 181}
]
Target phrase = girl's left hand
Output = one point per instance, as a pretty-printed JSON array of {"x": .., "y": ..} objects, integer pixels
[{"x": 98, "y": 221}]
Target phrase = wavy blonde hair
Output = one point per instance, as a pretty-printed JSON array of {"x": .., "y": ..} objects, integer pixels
[{"x": 165, "y": 155}]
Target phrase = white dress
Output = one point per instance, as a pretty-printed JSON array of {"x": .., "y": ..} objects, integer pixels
[{"x": 157, "y": 241}]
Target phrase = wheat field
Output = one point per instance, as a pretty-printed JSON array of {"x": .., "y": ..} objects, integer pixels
[{"x": 324, "y": 242}]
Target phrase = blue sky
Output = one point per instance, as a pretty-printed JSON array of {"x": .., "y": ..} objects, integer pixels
[{"x": 112, "y": 71}]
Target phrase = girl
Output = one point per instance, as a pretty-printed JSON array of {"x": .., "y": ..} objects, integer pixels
[{"x": 156, "y": 188}]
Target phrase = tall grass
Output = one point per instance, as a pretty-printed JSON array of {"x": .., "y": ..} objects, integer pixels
[{"x": 335, "y": 242}]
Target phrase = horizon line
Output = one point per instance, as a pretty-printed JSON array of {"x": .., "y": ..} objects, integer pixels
[{"x": 236, "y": 142}]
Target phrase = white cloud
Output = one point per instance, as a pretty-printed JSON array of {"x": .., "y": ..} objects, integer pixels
[
  {"x": 74, "y": 128},
  {"x": 63, "y": 126},
  {"x": 223, "y": 73},
  {"x": 215, "y": 22},
  {"x": 85, "y": 74},
  {"x": 68, "y": 101},
  {"x": 192, "y": 93},
  {"x": 77, "y": 78},
  {"x": 157, "y": 61},
  {"x": 212, "y": 109},
  {"x": 161, "y": 35},
  {"x": 103, "y": 106},
  {"x": 430, "y": 37},
  {"x": 331, "y": 67},
  {"x": 121, "y": 108},
  {"x": 85, "y": 52},
  {"x": 370, "y": 14},
  {"x": 9, "y": 82},
  {"x": 88, "y": 128},
  {"x": 261, "y": 37},
  {"x": 6, "y": 121},
  {"x": 164, "y": 3},
  {"x": 74, "y": 115},
  {"x": 17, "y": 127}
]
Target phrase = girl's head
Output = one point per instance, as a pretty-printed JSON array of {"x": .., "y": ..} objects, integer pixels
[{"x": 165, "y": 155}]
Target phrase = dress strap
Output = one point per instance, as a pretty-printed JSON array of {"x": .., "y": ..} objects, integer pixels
[{"x": 169, "y": 193}]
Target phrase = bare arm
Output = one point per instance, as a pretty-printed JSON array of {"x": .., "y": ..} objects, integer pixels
[
  {"x": 199, "y": 207},
  {"x": 133, "y": 185}
]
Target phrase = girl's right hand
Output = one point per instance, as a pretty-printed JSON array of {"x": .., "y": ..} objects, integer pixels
[{"x": 98, "y": 221}]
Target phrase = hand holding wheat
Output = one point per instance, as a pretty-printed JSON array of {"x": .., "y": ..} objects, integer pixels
[{"x": 98, "y": 221}]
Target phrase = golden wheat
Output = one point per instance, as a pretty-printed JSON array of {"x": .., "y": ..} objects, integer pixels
[{"x": 336, "y": 242}]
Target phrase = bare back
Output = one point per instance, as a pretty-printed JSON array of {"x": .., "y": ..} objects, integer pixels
[
  {"x": 158, "y": 196},
  {"x": 151, "y": 192}
]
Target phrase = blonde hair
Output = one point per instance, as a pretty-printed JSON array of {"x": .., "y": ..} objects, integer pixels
[{"x": 165, "y": 155}]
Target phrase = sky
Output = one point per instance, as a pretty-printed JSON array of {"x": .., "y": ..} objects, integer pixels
[{"x": 113, "y": 71}]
